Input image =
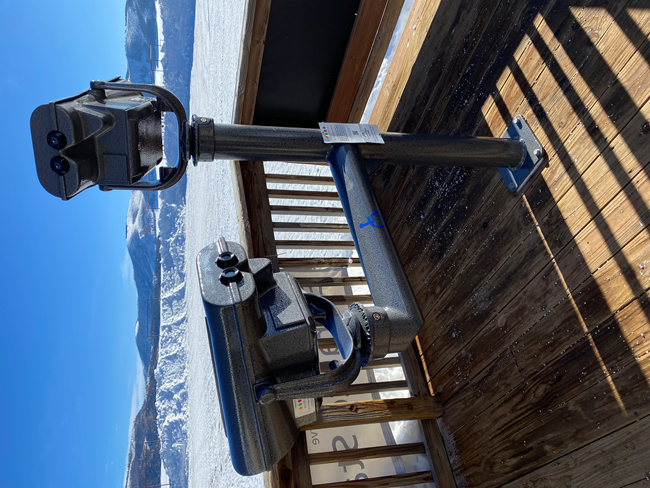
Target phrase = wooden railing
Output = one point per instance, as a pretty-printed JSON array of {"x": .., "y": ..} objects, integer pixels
[{"x": 311, "y": 273}]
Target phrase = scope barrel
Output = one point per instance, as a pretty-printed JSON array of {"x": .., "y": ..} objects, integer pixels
[{"x": 260, "y": 143}]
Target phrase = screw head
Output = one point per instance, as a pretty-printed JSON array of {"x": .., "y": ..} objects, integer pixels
[
  {"x": 376, "y": 316},
  {"x": 538, "y": 153}
]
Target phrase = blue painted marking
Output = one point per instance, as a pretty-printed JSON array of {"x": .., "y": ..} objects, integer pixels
[{"x": 374, "y": 220}]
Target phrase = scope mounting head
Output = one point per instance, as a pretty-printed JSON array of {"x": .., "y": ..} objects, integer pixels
[{"x": 109, "y": 135}]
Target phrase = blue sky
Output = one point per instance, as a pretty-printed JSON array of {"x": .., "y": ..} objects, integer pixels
[{"x": 68, "y": 356}]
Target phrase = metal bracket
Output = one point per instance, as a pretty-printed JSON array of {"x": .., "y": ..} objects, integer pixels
[{"x": 516, "y": 179}]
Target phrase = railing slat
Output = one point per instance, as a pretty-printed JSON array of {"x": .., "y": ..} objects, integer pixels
[
  {"x": 300, "y": 179},
  {"x": 362, "y": 388},
  {"x": 310, "y": 227},
  {"x": 307, "y": 244},
  {"x": 348, "y": 299},
  {"x": 374, "y": 364},
  {"x": 376, "y": 411},
  {"x": 331, "y": 281},
  {"x": 315, "y": 211},
  {"x": 312, "y": 263},
  {"x": 303, "y": 195},
  {"x": 367, "y": 453},
  {"x": 395, "y": 480}
]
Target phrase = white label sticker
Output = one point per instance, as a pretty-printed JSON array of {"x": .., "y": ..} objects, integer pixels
[
  {"x": 350, "y": 133},
  {"x": 303, "y": 406}
]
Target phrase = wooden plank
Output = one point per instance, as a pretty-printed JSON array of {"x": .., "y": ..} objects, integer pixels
[
  {"x": 366, "y": 453},
  {"x": 303, "y": 195},
  {"x": 317, "y": 281},
  {"x": 326, "y": 343},
  {"x": 573, "y": 266},
  {"x": 300, "y": 179},
  {"x": 362, "y": 388},
  {"x": 355, "y": 60},
  {"x": 602, "y": 185},
  {"x": 558, "y": 332},
  {"x": 490, "y": 73},
  {"x": 305, "y": 162},
  {"x": 470, "y": 186},
  {"x": 399, "y": 72},
  {"x": 305, "y": 244},
  {"x": 446, "y": 54},
  {"x": 591, "y": 360},
  {"x": 301, "y": 474},
  {"x": 317, "y": 263},
  {"x": 643, "y": 483},
  {"x": 467, "y": 252},
  {"x": 312, "y": 211},
  {"x": 483, "y": 391},
  {"x": 391, "y": 362},
  {"x": 256, "y": 21},
  {"x": 565, "y": 427},
  {"x": 377, "y": 54},
  {"x": 281, "y": 474},
  {"x": 310, "y": 227},
  {"x": 598, "y": 464},
  {"x": 435, "y": 447},
  {"x": 348, "y": 299},
  {"x": 422, "y": 13},
  {"x": 533, "y": 69},
  {"x": 396, "y": 480},
  {"x": 376, "y": 411}
]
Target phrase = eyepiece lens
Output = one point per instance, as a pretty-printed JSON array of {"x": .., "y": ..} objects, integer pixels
[
  {"x": 59, "y": 165},
  {"x": 56, "y": 139},
  {"x": 230, "y": 275},
  {"x": 227, "y": 259}
]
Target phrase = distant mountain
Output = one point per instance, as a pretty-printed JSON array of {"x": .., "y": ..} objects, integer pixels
[
  {"x": 177, "y": 49},
  {"x": 143, "y": 245},
  {"x": 141, "y": 33},
  {"x": 156, "y": 244}
]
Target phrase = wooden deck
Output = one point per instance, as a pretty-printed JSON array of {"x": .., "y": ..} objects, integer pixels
[{"x": 537, "y": 316}]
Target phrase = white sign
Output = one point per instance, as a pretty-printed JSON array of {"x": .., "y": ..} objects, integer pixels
[
  {"x": 303, "y": 406},
  {"x": 349, "y": 133}
]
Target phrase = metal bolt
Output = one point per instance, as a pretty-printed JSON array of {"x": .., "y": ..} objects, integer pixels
[
  {"x": 203, "y": 119},
  {"x": 376, "y": 316},
  {"x": 537, "y": 153}
]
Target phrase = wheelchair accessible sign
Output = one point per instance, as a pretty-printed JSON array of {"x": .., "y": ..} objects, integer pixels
[{"x": 350, "y": 133}]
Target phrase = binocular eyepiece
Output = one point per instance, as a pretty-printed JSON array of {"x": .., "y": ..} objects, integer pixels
[{"x": 110, "y": 135}]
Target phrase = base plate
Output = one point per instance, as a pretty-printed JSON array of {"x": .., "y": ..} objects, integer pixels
[{"x": 516, "y": 179}]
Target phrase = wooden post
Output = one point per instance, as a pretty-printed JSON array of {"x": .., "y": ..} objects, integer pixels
[
  {"x": 375, "y": 412},
  {"x": 440, "y": 467},
  {"x": 252, "y": 202}
]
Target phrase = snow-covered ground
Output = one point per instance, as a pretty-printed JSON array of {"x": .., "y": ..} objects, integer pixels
[{"x": 210, "y": 214}]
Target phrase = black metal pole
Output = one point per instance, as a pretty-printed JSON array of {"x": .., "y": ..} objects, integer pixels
[{"x": 258, "y": 143}]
